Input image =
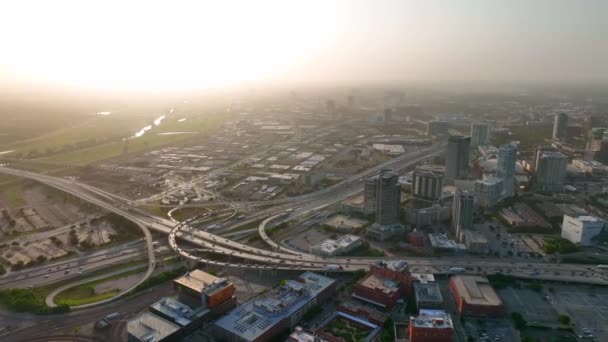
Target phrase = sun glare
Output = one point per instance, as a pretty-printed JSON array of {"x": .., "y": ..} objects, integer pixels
[{"x": 169, "y": 45}]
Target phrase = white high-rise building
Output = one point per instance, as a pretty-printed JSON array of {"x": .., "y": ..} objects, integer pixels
[
  {"x": 507, "y": 158},
  {"x": 457, "y": 158},
  {"x": 550, "y": 171},
  {"x": 480, "y": 134},
  {"x": 581, "y": 230},
  {"x": 488, "y": 192}
]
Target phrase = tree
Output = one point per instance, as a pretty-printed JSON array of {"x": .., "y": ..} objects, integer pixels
[
  {"x": 520, "y": 322},
  {"x": 564, "y": 319},
  {"x": 73, "y": 237}
]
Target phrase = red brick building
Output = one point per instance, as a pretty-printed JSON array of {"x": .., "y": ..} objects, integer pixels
[
  {"x": 475, "y": 297},
  {"x": 431, "y": 326},
  {"x": 386, "y": 283}
]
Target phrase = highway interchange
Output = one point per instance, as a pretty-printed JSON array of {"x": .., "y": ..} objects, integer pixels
[{"x": 281, "y": 258}]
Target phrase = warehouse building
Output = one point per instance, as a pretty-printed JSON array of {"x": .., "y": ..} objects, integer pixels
[
  {"x": 265, "y": 316},
  {"x": 475, "y": 297}
]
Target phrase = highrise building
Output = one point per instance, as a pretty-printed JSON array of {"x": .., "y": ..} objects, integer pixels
[
  {"x": 560, "y": 126},
  {"x": 507, "y": 158},
  {"x": 550, "y": 171},
  {"x": 388, "y": 198},
  {"x": 386, "y": 195},
  {"x": 596, "y": 136},
  {"x": 462, "y": 211},
  {"x": 369, "y": 195},
  {"x": 480, "y": 134},
  {"x": 457, "y": 158},
  {"x": 436, "y": 127},
  {"x": 427, "y": 184},
  {"x": 597, "y": 147},
  {"x": 488, "y": 192},
  {"x": 539, "y": 151}
]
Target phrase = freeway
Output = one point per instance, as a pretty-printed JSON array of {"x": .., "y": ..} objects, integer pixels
[
  {"x": 50, "y": 299},
  {"x": 290, "y": 260},
  {"x": 75, "y": 267},
  {"x": 37, "y": 326}
]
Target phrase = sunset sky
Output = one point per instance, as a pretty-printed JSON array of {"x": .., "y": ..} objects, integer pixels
[{"x": 174, "y": 45}]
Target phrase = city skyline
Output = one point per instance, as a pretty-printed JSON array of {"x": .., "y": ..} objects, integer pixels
[{"x": 145, "y": 47}]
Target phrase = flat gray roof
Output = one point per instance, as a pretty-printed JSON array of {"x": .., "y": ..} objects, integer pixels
[
  {"x": 148, "y": 327},
  {"x": 253, "y": 318}
]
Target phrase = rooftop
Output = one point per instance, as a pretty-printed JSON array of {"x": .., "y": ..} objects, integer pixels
[
  {"x": 588, "y": 218},
  {"x": 439, "y": 240},
  {"x": 490, "y": 181},
  {"x": 331, "y": 245},
  {"x": 256, "y": 316},
  {"x": 430, "y": 170},
  {"x": 423, "y": 277},
  {"x": 437, "y": 319},
  {"x": 395, "y": 265},
  {"x": 472, "y": 236},
  {"x": 427, "y": 292},
  {"x": 387, "y": 286},
  {"x": 301, "y": 335},
  {"x": 551, "y": 154},
  {"x": 178, "y": 312},
  {"x": 476, "y": 290},
  {"x": 149, "y": 327},
  {"x": 196, "y": 280}
]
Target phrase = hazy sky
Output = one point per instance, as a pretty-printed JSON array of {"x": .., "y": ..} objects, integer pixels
[{"x": 175, "y": 45}]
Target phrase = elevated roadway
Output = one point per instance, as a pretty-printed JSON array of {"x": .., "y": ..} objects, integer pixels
[{"x": 285, "y": 259}]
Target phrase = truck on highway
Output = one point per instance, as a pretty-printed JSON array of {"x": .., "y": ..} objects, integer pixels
[
  {"x": 105, "y": 322},
  {"x": 602, "y": 267},
  {"x": 333, "y": 267},
  {"x": 456, "y": 270}
]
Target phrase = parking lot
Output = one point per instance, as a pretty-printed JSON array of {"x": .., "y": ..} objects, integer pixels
[
  {"x": 530, "y": 304},
  {"x": 506, "y": 244},
  {"x": 587, "y": 307}
]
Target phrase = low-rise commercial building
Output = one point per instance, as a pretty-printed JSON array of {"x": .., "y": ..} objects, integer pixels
[
  {"x": 170, "y": 319},
  {"x": 475, "y": 242},
  {"x": 331, "y": 247},
  {"x": 428, "y": 295},
  {"x": 300, "y": 334},
  {"x": 441, "y": 243},
  {"x": 431, "y": 326},
  {"x": 386, "y": 284},
  {"x": 475, "y": 297},
  {"x": 590, "y": 167},
  {"x": 582, "y": 229},
  {"x": 147, "y": 327},
  {"x": 265, "y": 316},
  {"x": 198, "y": 288}
]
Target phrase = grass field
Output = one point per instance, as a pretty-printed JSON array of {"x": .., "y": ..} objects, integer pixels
[
  {"x": 102, "y": 138},
  {"x": 85, "y": 293},
  {"x": 11, "y": 192}
]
